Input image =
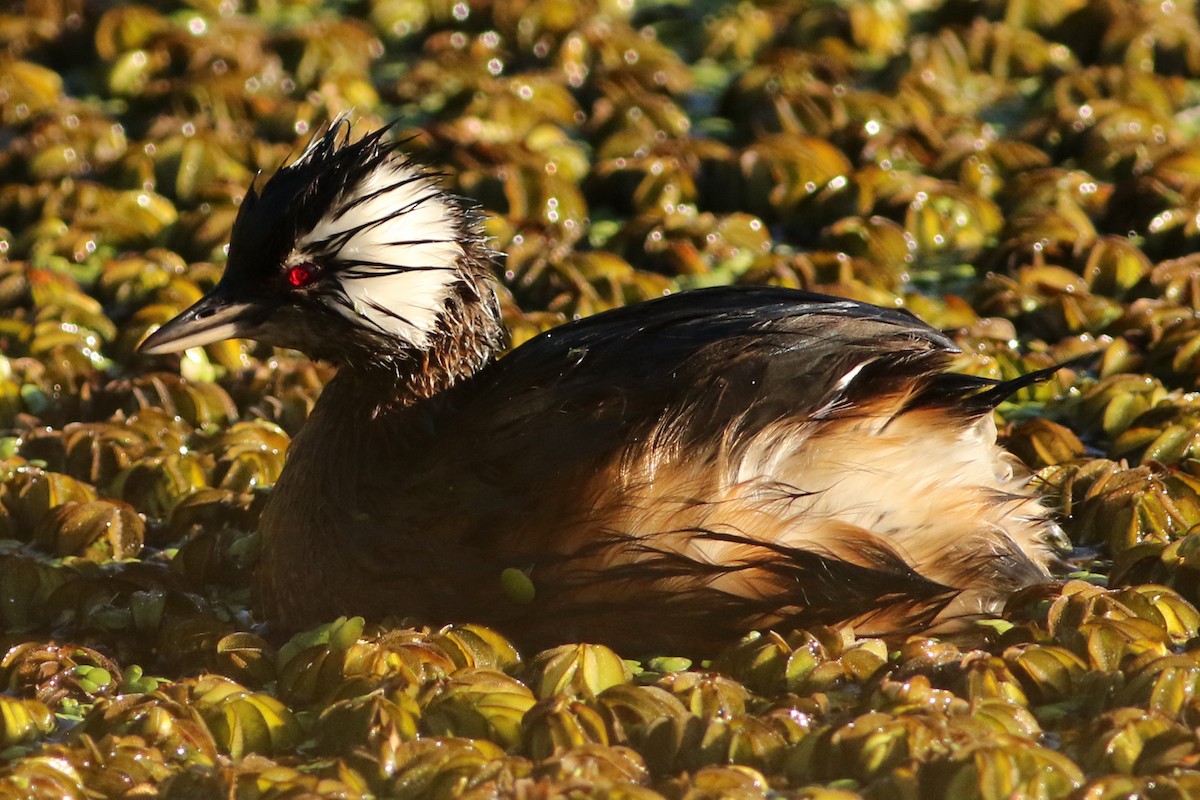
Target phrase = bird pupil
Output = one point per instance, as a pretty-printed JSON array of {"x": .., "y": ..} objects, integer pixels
[{"x": 301, "y": 275}]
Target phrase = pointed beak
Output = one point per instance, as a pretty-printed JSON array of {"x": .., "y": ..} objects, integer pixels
[{"x": 215, "y": 317}]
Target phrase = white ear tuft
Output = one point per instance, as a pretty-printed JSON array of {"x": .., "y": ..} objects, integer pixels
[{"x": 392, "y": 242}]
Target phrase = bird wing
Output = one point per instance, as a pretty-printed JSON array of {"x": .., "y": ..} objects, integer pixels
[{"x": 743, "y": 338}]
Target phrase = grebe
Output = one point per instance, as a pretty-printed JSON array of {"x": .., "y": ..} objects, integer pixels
[{"x": 669, "y": 475}]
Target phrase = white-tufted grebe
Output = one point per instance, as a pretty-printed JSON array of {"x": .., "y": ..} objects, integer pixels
[{"x": 669, "y": 475}]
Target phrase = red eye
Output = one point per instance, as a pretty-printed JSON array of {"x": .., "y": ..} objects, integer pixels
[{"x": 301, "y": 275}]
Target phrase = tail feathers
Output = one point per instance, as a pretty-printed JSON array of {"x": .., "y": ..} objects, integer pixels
[{"x": 977, "y": 395}]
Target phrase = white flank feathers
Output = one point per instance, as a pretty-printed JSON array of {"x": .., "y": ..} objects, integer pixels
[{"x": 393, "y": 240}]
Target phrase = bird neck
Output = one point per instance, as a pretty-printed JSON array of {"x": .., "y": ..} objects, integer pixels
[{"x": 392, "y": 374}]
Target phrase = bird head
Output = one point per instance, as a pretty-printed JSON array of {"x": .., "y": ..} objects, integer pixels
[{"x": 352, "y": 254}]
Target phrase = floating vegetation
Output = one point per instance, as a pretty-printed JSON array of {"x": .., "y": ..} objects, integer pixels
[{"x": 1024, "y": 175}]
